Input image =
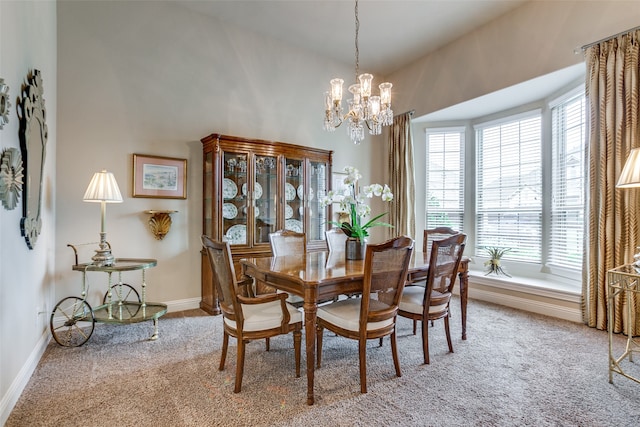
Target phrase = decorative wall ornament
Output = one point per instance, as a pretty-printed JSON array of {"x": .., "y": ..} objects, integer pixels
[
  {"x": 160, "y": 223},
  {"x": 4, "y": 103},
  {"x": 33, "y": 142},
  {"x": 11, "y": 174}
]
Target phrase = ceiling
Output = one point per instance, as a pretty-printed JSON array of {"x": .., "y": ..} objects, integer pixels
[{"x": 392, "y": 35}]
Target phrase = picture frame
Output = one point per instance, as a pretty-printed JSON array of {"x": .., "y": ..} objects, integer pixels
[{"x": 159, "y": 177}]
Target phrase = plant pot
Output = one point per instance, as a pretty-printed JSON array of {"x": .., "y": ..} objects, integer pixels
[{"x": 354, "y": 249}]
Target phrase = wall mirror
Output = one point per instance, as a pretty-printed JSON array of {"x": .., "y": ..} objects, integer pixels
[{"x": 33, "y": 142}]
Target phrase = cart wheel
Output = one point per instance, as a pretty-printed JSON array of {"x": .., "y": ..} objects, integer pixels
[
  {"x": 72, "y": 322},
  {"x": 121, "y": 292}
]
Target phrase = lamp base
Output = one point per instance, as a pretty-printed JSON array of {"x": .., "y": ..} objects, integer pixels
[{"x": 103, "y": 258}]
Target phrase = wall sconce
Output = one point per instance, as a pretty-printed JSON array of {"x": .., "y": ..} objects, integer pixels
[
  {"x": 103, "y": 188},
  {"x": 160, "y": 222}
]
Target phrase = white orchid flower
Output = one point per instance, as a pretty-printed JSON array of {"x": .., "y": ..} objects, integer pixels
[{"x": 387, "y": 195}]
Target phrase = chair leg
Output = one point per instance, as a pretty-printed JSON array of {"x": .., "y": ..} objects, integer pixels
[
  {"x": 362, "y": 350},
  {"x": 267, "y": 342},
  {"x": 394, "y": 352},
  {"x": 415, "y": 324},
  {"x": 239, "y": 366},
  {"x": 425, "y": 341},
  {"x": 319, "y": 333},
  {"x": 446, "y": 329},
  {"x": 297, "y": 344},
  {"x": 381, "y": 341},
  {"x": 225, "y": 345}
]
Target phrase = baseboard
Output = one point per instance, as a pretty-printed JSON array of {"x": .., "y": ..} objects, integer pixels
[
  {"x": 558, "y": 304},
  {"x": 20, "y": 382},
  {"x": 184, "y": 304}
]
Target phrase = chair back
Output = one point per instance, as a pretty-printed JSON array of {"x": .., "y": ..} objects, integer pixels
[
  {"x": 385, "y": 273},
  {"x": 224, "y": 277},
  {"x": 336, "y": 239},
  {"x": 443, "y": 267},
  {"x": 287, "y": 242},
  {"x": 437, "y": 233}
]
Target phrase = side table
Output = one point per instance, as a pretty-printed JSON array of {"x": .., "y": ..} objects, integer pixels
[{"x": 624, "y": 283}]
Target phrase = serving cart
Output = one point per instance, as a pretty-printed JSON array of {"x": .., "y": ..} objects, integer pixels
[{"x": 73, "y": 319}]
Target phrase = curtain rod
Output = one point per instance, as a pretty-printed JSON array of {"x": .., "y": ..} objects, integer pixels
[
  {"x": 410, "y": 112},
  {"x": 586, "y": 46}
]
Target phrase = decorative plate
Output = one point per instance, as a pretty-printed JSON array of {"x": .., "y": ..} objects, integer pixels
[
  {"x": 229, "y": 189},
  {"x": 288, "y": 211},
  {"x": 289, "y": 192},
  {"x": 293, "y": 225},
  {"x": 257, "y": 190},
  {"x": 301, "y": 192},
  {"x": 237, "y": 234},
  {"x": 229, "y": 211}
]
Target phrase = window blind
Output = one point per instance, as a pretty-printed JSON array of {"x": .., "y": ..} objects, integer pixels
[
  {"x": 445, "y": 178},
  {"x": 568, "y": 183},
  {"x": 509, "y": 186}
]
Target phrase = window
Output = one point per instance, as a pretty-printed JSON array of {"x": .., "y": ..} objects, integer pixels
[
  {"x": 568, "y": 182},
  {"x": 445, "y": 178},
  {"x": 527, "y": 186},
  {"x": 509, "y": 186}
]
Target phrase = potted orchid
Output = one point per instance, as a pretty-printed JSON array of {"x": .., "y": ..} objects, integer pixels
[{"x": 354, "y": 202}]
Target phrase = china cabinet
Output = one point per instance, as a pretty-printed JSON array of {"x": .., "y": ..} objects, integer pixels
[{"x": 254, "y": 187}]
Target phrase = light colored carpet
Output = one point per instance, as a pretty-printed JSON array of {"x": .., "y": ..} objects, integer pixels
[{"x": 515, "y": 369}]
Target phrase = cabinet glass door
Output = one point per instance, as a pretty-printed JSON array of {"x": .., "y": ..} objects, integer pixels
[
  {"x": 294, "y": 195},
  {"x": 316, "y": 213},
  {"x": 208, "y": 193},
  {"x": 265, "y": 197},
  {"x": 234, "y": 197}
]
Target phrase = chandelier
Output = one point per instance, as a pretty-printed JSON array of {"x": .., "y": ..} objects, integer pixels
[{"x": 364, "y": 109}]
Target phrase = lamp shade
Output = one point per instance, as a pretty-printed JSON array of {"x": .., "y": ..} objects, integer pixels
[
  {"x": 103, "y": 188},
  {"x": 630, "y": 176}
]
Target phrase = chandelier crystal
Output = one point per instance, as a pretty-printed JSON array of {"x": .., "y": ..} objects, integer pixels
[{"x": 364, "y": 109}]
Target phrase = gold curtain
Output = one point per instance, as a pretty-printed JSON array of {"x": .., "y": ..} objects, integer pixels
[
  {"x": 612, "y": 232},
  {"x": 401, "y": 179}
]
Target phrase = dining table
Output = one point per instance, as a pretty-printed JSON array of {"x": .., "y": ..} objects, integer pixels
[{"x": 319, "y": 276}]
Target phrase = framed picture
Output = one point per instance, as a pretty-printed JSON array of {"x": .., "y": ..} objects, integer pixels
[{"x": 159, "y": 177}]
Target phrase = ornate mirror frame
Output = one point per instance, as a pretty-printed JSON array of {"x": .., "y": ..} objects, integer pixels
[{"x": 33, "y": 143}]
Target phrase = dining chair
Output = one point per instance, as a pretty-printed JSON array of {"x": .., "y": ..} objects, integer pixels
[
  {"x": 432, "y": 302},
  {"x": 287, "y": 242},
  {"x": 336, "y": 239},
  {"x": 249, "y": 318},
  {"x": 373, "y": 314},
  {"x": 429, "y": 236}
]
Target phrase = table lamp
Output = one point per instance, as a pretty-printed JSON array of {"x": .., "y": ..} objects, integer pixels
[
  {"x": 630, "y": 178},
  {"x": 103, "y": 188}
]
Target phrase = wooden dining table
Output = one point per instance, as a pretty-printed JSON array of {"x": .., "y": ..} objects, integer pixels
[{"x": 318, "y": 276}]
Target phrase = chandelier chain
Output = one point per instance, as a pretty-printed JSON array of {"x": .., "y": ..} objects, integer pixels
[{"x": 357, "y": 50}]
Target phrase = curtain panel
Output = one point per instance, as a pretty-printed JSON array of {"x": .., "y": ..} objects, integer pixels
[
  {"x": 401, "y": 177},
  {"x": 612, "y": 229}
]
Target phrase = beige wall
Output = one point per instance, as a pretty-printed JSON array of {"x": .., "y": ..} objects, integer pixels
[
  {"x": 154, "y": 78},
  {"x": 151, "y": 78},
  {"x": 530, "y": 41},
  {"x": 27, "y": 42}
]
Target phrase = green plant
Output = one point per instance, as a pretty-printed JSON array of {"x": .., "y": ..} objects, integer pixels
[
  {"x": 493, "y": 263},
  {"x": 354, "y": 203}
]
